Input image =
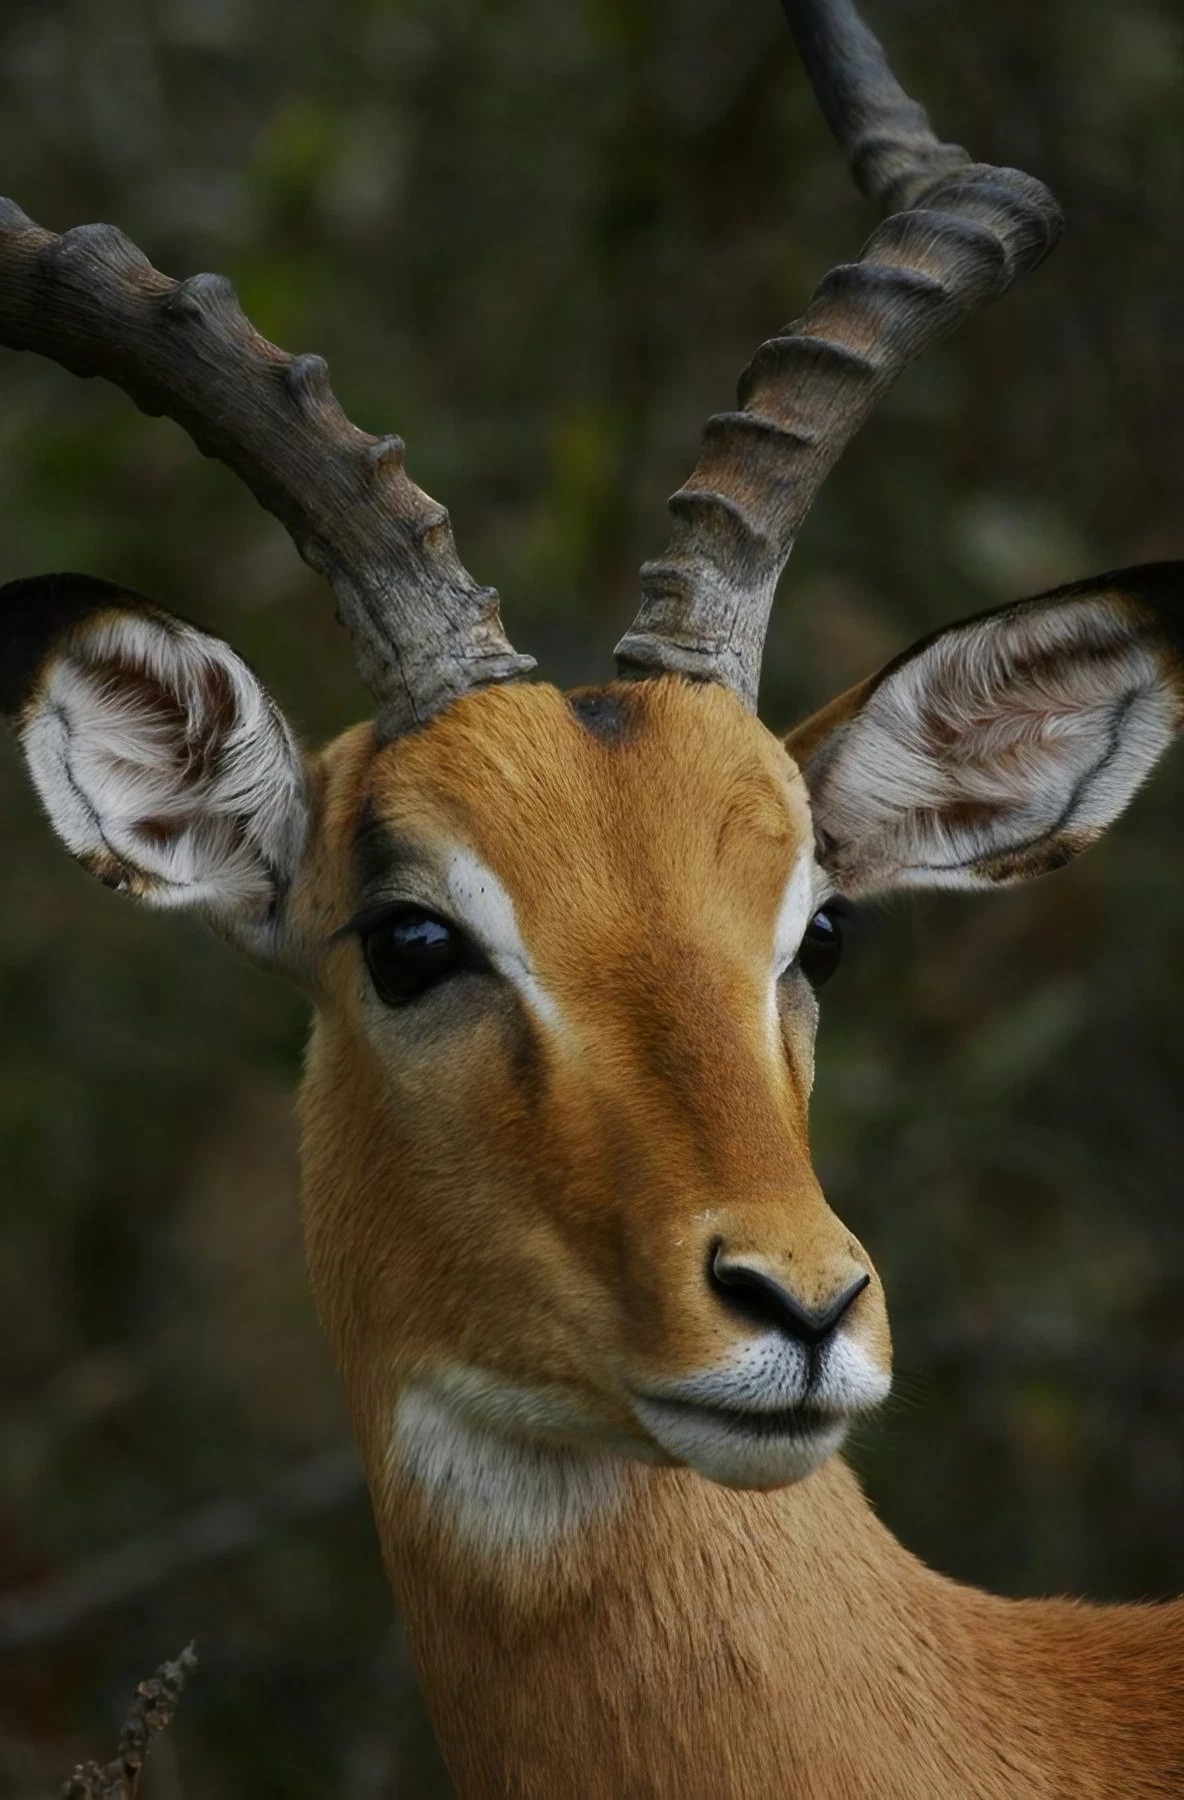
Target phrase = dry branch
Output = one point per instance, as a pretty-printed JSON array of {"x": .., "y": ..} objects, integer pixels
[{"x": 151, "y": 1713}]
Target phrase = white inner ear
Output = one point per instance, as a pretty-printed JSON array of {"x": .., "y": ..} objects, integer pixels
[
  {"x": 1016, "y": 738},
  {"x": 164, "y": 766}
]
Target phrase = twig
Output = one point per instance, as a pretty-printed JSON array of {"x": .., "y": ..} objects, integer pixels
[{"x": 151, "y": 1712}]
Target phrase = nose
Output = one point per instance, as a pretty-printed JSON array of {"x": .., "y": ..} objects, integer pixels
[{"x": 754, "y": 1294}]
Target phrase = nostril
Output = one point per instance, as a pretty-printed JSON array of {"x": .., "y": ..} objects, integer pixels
[{"x": 761, "y": 1299}]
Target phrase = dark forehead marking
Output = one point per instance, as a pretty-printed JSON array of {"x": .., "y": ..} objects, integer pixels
[{"x": 604, "y": 713}]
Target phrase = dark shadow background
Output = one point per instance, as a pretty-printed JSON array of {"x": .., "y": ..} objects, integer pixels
[{"x": 540, "y": 240}]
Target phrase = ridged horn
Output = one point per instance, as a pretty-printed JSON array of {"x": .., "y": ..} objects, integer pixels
[
  {"x": 959, "y": 234},
  {"x": 423, "y": 630}
]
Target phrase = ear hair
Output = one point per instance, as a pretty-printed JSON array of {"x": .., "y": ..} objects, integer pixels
[
  {"x": 1001, "y": 747},
  {"x": 162, "y": 763}
]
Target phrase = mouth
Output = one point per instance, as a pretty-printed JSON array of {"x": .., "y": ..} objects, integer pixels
[
  {"x": 741, "y": 1446},
  {"x": 786, "y": 1422},
  {"x": 765, "y": 1417}
]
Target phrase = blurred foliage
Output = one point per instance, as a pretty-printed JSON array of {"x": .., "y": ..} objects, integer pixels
[{"x": 540, "y": 240}]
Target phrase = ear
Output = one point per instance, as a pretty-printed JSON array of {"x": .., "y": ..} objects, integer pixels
[
  {"x": 1001, "y": 747},
  {"x": 160, "y": 760}
]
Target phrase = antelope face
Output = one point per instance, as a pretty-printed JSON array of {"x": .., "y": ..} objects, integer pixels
[{"x": 557, "y": 1168}]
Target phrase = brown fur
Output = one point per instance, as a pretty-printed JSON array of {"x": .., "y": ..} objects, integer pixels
[
  {"x": 584, "y": 1189},
  {"x": 709, "y": 1645},
  {"x": 479, "y": 1193}
]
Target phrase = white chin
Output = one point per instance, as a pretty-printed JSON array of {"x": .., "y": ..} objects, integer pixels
[{"x": 753, "y": 1450}]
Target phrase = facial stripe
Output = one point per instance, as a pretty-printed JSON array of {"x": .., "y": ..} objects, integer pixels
[
  {"x": 481, "y": 904},
  {"x": 797, "y": 907}
]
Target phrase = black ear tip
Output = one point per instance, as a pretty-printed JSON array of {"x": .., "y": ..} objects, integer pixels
[
  {"x": 33, "y": 615},
  {"x": 1159, "y": 586}
]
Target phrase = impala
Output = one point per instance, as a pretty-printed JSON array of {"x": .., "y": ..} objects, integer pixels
[{"x": 600, "y": 1333}]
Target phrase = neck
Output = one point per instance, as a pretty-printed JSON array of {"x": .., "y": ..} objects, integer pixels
[{"x": 598, "y": 1627}]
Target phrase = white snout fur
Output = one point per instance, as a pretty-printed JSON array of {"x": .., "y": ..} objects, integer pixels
[{"x": 765, "y": 1377}]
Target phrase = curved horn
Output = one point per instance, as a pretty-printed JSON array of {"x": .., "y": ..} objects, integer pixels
[
  {"x": 965, "y": 232},
  {"x": 424, "y": 632}
]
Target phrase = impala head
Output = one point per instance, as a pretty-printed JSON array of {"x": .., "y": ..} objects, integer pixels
[
  {"x": 564, "y": 950},
  {"x": 570, "y": 977}
]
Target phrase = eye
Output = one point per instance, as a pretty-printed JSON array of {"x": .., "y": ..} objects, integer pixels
[
  {"x": 409, "y": 951},
  {"x": 821, "y": 948}
]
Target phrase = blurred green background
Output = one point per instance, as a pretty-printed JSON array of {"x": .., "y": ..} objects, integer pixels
[{"x": 540, "y": 239}]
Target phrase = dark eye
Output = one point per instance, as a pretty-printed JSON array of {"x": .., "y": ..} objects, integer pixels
[
  {"x": 409, "y": 951},
  {"x": 821, "y": 948}
]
